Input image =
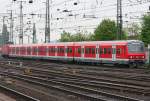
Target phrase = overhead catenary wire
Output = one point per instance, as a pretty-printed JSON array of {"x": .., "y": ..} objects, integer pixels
[{"x": 77, "y": 14}]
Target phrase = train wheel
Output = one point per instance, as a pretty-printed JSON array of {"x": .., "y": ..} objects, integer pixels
[{"x": 132, "y": 65}]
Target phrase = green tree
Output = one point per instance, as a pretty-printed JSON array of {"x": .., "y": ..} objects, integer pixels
[
  {"x": 81, "y": 37},
  {"x": 65, "y": 37},
  {"x": 145, "y": 33},
  {"x": 107, "y": 31}
]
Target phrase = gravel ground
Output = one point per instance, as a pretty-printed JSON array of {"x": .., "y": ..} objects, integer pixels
[{"x": 4, "y": 97}]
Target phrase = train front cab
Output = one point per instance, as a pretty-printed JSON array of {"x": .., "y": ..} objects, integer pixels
[{"x": 136, "y": 54}]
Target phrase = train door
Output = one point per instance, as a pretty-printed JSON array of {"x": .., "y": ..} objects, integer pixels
[
  {"x": 90, "y": 52},
  {"x": 120, "y": 50},
  {"x": 113, "y": 52},
  {"x": 77, "y": 52},
  {"x": 70, "y": 51}
]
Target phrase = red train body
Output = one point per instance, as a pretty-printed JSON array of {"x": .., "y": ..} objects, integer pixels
[{"x": 116, "y": 52}]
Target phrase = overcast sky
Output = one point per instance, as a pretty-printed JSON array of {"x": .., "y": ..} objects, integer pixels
[{"x": 83, "y": 17}]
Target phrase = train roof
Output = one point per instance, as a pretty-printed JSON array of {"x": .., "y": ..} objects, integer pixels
[{"x": 120, "y": 42}]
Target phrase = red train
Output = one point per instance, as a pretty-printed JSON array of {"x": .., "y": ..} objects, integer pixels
[{"x": 129, "y": 52}]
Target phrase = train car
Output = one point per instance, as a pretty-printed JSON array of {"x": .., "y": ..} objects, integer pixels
[
  {"x": 130, "y": 52},
  {"x": 5, "y": 50}
]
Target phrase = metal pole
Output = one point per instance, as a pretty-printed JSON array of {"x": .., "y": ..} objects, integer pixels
[
  {"x": 47, "y": 22},
  {"x": 21, "y": 23},
  {"x": 11, "y": 26},
  {"x": 3, "y": 34},
  {"x": 119, "y": 19},
  {"x": 34, "y": 33},
  {"x": 33, "y": 29}
]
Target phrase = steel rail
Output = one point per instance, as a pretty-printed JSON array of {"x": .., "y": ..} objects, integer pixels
[
  {"x": 100, "y": 95},
  {"x": 21, "y": 95}
]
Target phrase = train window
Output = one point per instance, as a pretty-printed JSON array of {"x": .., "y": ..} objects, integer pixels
[
  {"x": 119, "y": 51},
  {"x": 28, "y": 50},
  {"x": 17, "y": 49},
  {"x": 69, "y": 50},
  {"x": 101, "y": 50},
  {"x": 90, "y": 50},
  {"x": 105, "y": 50},
  {"x": 87, "y": 50},
  {"x": 66, "y": 50},
  {"x": 52, "y": 50},
  {"x": 13, "y": 50},
  {"x": 136, "y": 47},
  {"x": 109, "y": 50},
  {"x": 62, "y": 50},
  {"x": 58, "y": 50},
  {"x": 35, "y": 50},
  {"x": 79, "y": 50},
  {"x": 40, "y": 49},
  {"x": 93, "y": 50},
  {"x": 21, "y": 49},
  {"x": 47, "y": 49},
  {"x": 82, "y": 50}
]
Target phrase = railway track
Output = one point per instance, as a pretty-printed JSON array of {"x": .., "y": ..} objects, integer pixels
[
  {"x": 50, "y": 72},
  {"x": 101, "y": 85},
  {"x": 91, "y": 70},
  {"x": 132, "y": 74},
  {"x": 77, "y": 76},
  {"x": 17, "y": 95},
  {"x": 83, "y": 81},
  {"x": 87, "y": 93},
  {"x": 85, "y": 77},
  {"x": 69, "y": 66}
]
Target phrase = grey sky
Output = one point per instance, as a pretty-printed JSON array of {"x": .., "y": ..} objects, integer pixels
[{"x": 86, "y": 15}]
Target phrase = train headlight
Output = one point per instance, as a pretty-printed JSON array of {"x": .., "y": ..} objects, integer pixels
[{"x": 131, "y": 57}]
